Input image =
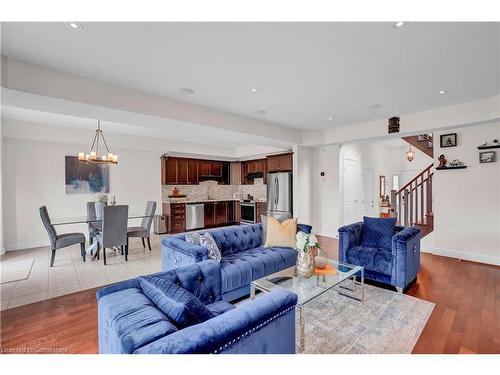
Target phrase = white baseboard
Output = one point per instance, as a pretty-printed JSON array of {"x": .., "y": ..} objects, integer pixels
[
  {"x": 26, "y": 245},
  {"x": 461, "y": 255}
]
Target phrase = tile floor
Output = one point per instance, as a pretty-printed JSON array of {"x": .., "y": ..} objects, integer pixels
[{"x": 70, "y": 274}]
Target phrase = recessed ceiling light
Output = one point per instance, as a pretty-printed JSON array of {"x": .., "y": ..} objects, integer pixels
[
  {"x": 75, "y": 25},
  {"x": 399, "y": 24},
  {"x": 330, "y": 118},
  {"x": 260, "y": 112},
  {"x": 254, "y": 90},
  {"x": 442, "y": 92},
  {"x": 186, "y": 91},
  {"x": 374, "y": 107}
]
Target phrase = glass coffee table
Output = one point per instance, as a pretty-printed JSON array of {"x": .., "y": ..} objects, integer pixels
[{"x": 338, "y": 275}]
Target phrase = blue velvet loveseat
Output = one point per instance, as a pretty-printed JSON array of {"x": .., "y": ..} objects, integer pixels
[
  {"x": 130, "y": 322},
  {"x": 396, "y": 262},
  {"x": 243, "y": 257}
]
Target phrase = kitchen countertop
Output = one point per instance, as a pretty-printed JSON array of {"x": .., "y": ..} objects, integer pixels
[{"x": 191, "y": 201}]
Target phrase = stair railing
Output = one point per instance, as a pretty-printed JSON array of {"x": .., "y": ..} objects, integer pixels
[{"x": 412, "y": 204}]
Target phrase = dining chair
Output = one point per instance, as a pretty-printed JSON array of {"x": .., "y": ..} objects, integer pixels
[
  {"x": 93, "y": 227},
  {"x": 59, "y": 241},
  {"x": 114, "y": 230},
  {"x": 144, "y": 230}
]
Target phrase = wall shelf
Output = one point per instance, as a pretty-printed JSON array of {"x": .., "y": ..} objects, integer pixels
[
  {"x": 487, "y": 147},
  {"x": 445, "y": 168}
]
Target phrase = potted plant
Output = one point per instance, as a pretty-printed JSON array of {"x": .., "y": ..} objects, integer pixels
[{"x": 306, "y": 243}]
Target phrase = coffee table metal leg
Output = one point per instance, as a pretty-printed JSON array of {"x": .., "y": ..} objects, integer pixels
[
  {"x": 362, "y": 285},
  {"x": 301, "y": 344}
]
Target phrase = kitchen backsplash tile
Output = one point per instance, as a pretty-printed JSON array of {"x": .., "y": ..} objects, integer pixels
[{"x": 211, "y": 190}]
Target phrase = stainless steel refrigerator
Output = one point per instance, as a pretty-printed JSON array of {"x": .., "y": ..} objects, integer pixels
[{"x": 279, "y": 194}]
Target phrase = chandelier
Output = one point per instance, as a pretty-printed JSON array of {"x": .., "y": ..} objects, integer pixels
[
  {"x": 410, "y": 155},
  {"x": 94, "y": 156}
]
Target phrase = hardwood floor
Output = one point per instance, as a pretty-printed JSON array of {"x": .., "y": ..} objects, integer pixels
[{"x": 466, "y": 318}]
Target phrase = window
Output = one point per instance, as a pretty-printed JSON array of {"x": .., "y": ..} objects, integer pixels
[{"x": 395, "y": 182}]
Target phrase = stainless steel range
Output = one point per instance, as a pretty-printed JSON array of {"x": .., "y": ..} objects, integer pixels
[{"x": 248, "y": 212}]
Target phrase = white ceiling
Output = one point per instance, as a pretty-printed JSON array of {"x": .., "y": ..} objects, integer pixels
[{"x": 304, "y": 72}]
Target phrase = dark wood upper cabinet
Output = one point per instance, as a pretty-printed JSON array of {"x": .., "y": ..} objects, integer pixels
[
  {"x": 204, "y": 168},
  {"x": 216, "y": 169},
  {"x": 280, "y": 163},
  {"x": 171, "y": 171},
  {"x": 182, "y": 171},
  {"x": 250, "y": 167},
  {"x": 193, "y": 166}
]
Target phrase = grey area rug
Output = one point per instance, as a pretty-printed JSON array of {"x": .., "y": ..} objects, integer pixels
[{"x": 386, "y": 322}]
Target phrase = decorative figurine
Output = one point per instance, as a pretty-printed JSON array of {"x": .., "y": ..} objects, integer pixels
[
  {"x": 456, "y": 163},
  {"x": 442, "y": 161}
]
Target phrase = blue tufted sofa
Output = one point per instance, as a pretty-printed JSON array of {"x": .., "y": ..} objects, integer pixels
[
  {"x": 129, "y": 322},
  {"x": 397, "y": 265},
  {"x": 243, "y": 257}
]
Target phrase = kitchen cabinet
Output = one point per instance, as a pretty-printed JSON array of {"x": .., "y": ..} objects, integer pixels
[
  {"x": 250, "y": 167},
  {"x": 280, "y": 163},
  {"x": 177, "y": 214},
  {"x": 193, "y": 172},
  {"x": 182, "y": 172},
  {"x": 260, "y": 209},
  {"x": 209, "y": 214},
  {"x": 221, "y": 213},
  {"x": 231, "y": 212}
]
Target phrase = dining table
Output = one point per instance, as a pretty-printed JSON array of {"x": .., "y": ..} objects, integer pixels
[{"x": 91, "y": 219}]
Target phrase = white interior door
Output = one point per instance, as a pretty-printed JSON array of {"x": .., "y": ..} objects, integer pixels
[
  {"x": 351, "y": 179},
  {"x": 369, "y": 206}
]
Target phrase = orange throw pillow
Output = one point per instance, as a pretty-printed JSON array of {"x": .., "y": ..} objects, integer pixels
[{"x": 281, "y": 234}]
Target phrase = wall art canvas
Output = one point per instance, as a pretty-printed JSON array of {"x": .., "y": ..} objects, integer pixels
[
  {"x": 487, "y": 157},
  {"x": 86, "y": 178}
]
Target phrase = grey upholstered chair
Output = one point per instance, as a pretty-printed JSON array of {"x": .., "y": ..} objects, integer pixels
[
  {"x": 94, "y": 227},
  {"x": 114, "y": 230},
  {"x": 59, "y": 241},
  {"x": 144, "y": 230}
]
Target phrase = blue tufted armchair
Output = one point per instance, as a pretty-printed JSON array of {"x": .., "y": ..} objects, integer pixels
[{"x": 396, "y": 264}]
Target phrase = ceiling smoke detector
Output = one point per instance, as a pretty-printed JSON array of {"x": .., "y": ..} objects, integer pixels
[
  {"x": 75, "y": 25},
  {"x": 399, "y": 25}
]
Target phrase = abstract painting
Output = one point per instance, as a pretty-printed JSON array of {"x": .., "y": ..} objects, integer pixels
[{"x": 86, "y": 178}]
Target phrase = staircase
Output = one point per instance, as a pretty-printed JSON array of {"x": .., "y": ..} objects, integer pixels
[
  {"x": 423, "y": 142},
  {"x": 412, "y": 204}
]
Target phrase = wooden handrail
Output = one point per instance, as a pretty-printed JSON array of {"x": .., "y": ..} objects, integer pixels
[{"x": 411, "y": 182}]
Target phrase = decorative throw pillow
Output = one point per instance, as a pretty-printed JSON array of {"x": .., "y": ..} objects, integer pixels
[
  {"x": 193, "y": 238},
  {"x": 208, "y": 242},
  {"x": 281, "y": 234},
  {"x": 178, "y": 304},
  {"x": 263, "y": 221},
  {"x": 378, "y": 232}
]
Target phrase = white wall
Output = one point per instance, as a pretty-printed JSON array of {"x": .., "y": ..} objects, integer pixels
[
  {"x": 325, "y": 195},
  {"x": 302, "y": 179},
  {"x": 2, "y": 247},
  {"x": 467, "y": 201},
  {"x": 34, "y": 176}
]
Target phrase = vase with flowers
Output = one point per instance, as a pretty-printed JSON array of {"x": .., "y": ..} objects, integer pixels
[
  {"x": 306, "y": 243},
  {"x": 101, "y": 200}
]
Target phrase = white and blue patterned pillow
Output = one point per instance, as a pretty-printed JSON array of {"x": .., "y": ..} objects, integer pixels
[{"x": 208, "y": 242}]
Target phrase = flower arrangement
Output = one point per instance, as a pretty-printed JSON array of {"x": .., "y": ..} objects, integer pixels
[
  {"x": 307, "y": 241},
  {"x": 101, "y": 197}
]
